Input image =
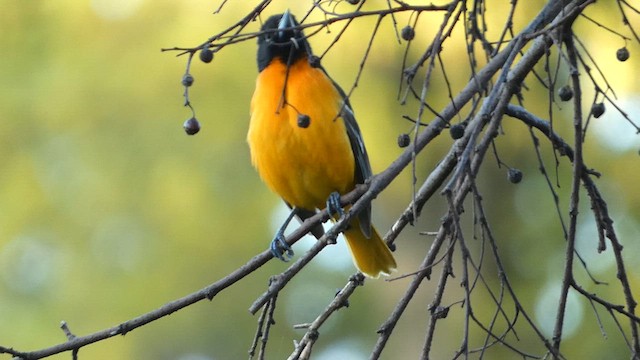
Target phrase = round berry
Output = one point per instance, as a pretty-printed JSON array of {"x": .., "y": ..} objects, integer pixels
[
  {"x": 206, "y": 55},
  {"x": 440, "y": 312},
  {"x": 187, "y": 80},
  {"x": 304, "y": 121},
  {"x": 191, "y": 126},
  {"x": 597, "y": 110},
  {"x": 565, "y": 93},
  {"x": 622, "y": 54},
  {"x": 408, "y": 33},
  {"x": 456, "y": 131},
  {"x": 514, "y": 175},
  {"x": 404, "y": 140}
]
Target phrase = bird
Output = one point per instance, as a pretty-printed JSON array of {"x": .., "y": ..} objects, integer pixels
[{"x": 305, "y": 142}]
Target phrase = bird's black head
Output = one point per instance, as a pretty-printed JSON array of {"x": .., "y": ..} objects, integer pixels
[{"x": 280, "y": 41}]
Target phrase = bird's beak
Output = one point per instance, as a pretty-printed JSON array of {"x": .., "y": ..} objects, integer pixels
[{"x": 286, "y": 22}]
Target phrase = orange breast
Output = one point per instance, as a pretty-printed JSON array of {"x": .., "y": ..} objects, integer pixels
[{"x": 302, "y": 165}]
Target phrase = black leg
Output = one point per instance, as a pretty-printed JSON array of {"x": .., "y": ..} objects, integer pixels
[{"x": 279, "y": 246}]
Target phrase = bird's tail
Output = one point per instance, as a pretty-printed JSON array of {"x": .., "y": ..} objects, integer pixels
[{"x": 371, "y": 256}]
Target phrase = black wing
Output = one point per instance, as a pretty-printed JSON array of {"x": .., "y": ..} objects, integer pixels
[{"x": 362, "y": 165}]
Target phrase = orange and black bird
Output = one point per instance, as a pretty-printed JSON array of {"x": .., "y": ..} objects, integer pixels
[{"x": 305, "y": 141}]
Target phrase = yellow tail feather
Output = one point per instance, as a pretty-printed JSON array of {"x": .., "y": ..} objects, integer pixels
[{"x": 371, "y": 256}]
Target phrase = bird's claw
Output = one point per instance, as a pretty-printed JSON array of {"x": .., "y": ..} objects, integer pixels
[
  {"x": 280, "y": 249},
  {"x": 333, "y": 204}
]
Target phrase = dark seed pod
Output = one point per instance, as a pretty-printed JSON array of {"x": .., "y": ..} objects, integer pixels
[
  {"x": 597, "y": 110},
  {"x": 304, "y": 121},
  {"x": 514, "y": 175},
  {"x": 404, "y": 140},
  {"x": 622, "y": 54},
  {"x": 440, "y": 312},
  {"x": 187, "y": 80},
  {"x": 191, "y": 126},
  {"x": 206, "y": 55},
  {"x": 565, "y": 93},
  {"x": 408, "y": 33},
  {"x": 456, "y": 131},
  {"x": 353, "y": 2}
]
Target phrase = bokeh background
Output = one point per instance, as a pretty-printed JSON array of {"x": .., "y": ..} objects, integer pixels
[{"x": 108, "y": 210}]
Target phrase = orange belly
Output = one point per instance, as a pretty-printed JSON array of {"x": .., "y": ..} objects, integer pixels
[{"x": 302, "y": 165}]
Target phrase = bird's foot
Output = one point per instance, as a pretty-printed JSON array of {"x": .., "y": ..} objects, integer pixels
[
  {"x": 334, "y": 206},
  {"x": 279, "y": 247}
]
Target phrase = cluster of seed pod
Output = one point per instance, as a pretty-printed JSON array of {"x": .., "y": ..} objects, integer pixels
[{"x": 192, "y": 126}]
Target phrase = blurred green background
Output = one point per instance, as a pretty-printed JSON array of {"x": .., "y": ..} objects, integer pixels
[{"x": 108, "y": 210}]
